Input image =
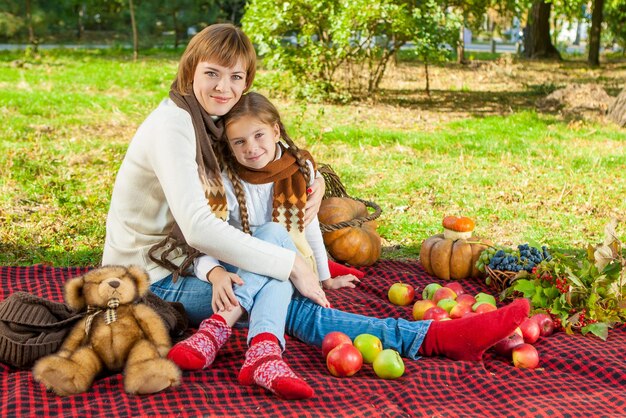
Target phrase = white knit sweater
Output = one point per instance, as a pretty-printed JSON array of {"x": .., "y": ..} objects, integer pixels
[{"x": 157, "y": 183}]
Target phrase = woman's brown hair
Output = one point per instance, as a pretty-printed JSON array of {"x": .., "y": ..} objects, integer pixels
[
  {"x": 258, "y": 106},
  {"x": 222, "y": 43}
]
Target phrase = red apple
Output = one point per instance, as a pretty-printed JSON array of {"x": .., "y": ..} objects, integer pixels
[
  {"x": 468, "y": 314},
  {"x": 388, "y": 364},
  {"x": 525, "y": 356},
  {"x": 466, "y": 299},
  {"x": 546, "y": 325},
  {"x": 332, "y": 340},
  {"x": 459, "y": 310},
  {"x": 436, "y": 314},
  {"x": 344, "y": 360},
  {"x": 505, "y": 346},
  {"x": 401, "y": 294},
  {"x": 420, "y": 307},
  {"x": 530, "y": 331},
  {"x": 482, "y": 307},
  {"x": 456, "y": 288},
  {"x": 444, "y": 293}
]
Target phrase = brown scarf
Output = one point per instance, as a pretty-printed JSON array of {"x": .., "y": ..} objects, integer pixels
[
  {"x": 289, "y": 187},
  {"x": 289, "y": 195},
  {"x": 206, "y": 131}
]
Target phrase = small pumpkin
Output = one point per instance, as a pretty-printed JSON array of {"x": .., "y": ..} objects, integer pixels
[
  {"x": 452, "y": 259},
  {"x": 458, "y": 228},
  {"x": 355, "y": 245}
]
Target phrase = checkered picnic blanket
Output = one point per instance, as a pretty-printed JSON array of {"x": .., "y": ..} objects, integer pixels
[{"x": 578, "y": 375}]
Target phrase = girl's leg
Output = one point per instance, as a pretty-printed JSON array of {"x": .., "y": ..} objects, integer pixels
[
  {"x": 310, "y": 322},
  {"x": 264, "y": 364},
  {"x": 461, "y": 339}
]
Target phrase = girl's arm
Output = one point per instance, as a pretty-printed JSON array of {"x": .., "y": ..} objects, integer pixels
[{"x": 314, "y": 237}]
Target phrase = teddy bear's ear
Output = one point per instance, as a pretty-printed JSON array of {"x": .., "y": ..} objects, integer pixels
[
  {"x": 142, "y": 280},
  {"x": 74, "y": 295}
]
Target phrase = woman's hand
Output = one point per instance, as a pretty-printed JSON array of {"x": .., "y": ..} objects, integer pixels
[
  {"x": 223, "y": 296},
  {"x": 314, "y": 200},
  {"x": 347, "y": 280},
  {"x": 307, "y": 283}
]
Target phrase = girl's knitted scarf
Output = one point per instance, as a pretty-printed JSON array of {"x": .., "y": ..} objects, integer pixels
[
  {"x": 290, "y": 195},
  {"x": 206, "y": 131}
]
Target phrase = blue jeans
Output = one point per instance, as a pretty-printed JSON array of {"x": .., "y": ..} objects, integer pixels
[{"x": 305, "y": 320}]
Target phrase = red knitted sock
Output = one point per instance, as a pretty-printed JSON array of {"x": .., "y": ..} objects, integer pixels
[
  {"x": 265, "y": 366},
  {"x": 468, "y": 338},
  {"x": 337, "y": 269},
  {"x": 199, "y": 351}
]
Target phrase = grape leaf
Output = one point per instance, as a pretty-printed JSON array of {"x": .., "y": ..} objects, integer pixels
[
  {"x": 527, "y": 287},
  {"x": 599, "y": 329}
]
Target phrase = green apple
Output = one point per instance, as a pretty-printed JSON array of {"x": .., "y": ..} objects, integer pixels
[
  {"x": 429, "y": 290},
  {"x": 388, "y": 364},
  {"x": 485, "y": 297},
  {"x": 369, "y": 345},
  {"x": 447, "y": 304}
]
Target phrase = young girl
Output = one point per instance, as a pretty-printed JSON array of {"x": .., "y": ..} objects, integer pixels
[
  {"x": 266, "y": 181},
  {"x": 161, "y": 218}
]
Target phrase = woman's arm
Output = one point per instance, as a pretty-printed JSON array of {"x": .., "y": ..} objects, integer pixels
[
  {"x": 173, "y": 158},
  {"x": 314, "y": 200}
]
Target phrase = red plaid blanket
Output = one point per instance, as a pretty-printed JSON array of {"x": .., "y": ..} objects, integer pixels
[{"x": 578, "y": 376}]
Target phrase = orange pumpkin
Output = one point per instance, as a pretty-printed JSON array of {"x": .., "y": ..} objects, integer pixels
[
  {"x": 452, "y": 259},
  {"x": 355, "y": 245}
]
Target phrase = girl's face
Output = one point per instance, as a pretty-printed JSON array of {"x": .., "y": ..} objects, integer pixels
[
  {"x": 218, "y": 88},
  {"x": 252, "y": 141}
]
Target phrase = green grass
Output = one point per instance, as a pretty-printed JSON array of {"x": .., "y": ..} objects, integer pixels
[{"x": 68, "y": 117}]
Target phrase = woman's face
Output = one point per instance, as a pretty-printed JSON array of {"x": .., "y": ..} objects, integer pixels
[
  {"x": 252, "y": 141},
  {"x": 218, "y": 88}
]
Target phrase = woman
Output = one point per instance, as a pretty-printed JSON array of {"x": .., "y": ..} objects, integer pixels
[{"x": 161, "y": 219}]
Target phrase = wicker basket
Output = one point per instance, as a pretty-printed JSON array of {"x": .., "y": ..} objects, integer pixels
[
  {"x": 500, "y": 279},
  {"x": 334, "y": 188}
]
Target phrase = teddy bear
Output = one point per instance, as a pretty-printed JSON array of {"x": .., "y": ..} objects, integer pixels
[{"x": 117, "y": 333}]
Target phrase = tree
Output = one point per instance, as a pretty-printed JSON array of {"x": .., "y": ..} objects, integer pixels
[
  {"x": 615, "y": 18},
  {"x": 133, "y": 24},
  {"x": 336, "y": 48},
  {"x": 537, "y": 41},
  {"x": 594, "y": 36},
  {"x": 472, "y": 13}
]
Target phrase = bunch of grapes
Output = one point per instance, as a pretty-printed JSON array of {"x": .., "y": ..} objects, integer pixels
[{"x": 524, "y": 257}]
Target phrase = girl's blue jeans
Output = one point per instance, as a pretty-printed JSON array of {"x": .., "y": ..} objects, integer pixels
[{"x": 303, "y": 318}]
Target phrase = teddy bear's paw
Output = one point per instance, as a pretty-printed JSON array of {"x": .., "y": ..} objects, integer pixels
[
  {"x": 60, "y": 376},
  {"x": 151, "y": 376}
]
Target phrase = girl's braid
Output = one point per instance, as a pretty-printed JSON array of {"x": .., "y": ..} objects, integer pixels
[
  {"x": 227, "y": 161},
  {"x": 295, "y": 151}
]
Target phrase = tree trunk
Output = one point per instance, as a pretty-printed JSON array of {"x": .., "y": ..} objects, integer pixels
[
  {"x": 594, "y": 37},
  {"x": 31, "y": 31},
  {"x": 539, "y": 44},
  {"x": 427, "y": 77},
  {"x": 80, "y": 25},
  {"x": 617, "y": 111},
  {"x": 176, "y": 31},
  {"x": 134, "y": 25},
  {"x": 460, "y": 49}
]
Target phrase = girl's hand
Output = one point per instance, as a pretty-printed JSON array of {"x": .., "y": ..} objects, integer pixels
[
  {"x": 223, "y": 296},
  {"x": 314, "y": 200},
  {"x": 307, "y": 283},
  {"x": 347, "y": 280}
]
